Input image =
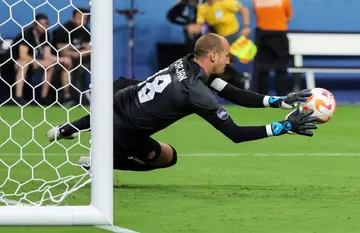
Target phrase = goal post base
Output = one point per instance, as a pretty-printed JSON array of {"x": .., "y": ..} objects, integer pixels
[{"x": 52, "y": 216}]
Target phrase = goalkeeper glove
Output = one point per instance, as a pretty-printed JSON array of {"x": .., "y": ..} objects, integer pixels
[
  {"x": 289, "y": 101},
  {"x": 296, "y": 122}
]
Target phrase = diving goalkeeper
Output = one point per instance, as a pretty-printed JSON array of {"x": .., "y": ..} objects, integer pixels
[{"x": 143, "y": 108}]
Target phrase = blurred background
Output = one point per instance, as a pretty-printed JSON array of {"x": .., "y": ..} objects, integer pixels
[
  {"x": 297, "y": 183},
  {"x": 153, "y": 30},
  {"x": 158, "y": 41}
]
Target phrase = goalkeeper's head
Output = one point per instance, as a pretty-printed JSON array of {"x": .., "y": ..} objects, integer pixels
[
  {"x": 212, "y": 53},
  {"x": 41, "y": 23}
]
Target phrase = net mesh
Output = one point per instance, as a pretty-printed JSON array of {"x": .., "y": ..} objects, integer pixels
[{"x": 34, "y": 171}]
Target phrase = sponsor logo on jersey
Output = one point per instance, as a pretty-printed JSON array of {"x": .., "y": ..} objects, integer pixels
[
  {"x": 222, "y": 114},
  {"x": 151, "y": 155}
]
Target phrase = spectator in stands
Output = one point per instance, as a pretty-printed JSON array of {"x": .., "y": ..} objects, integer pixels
[
  {"x": 221, "y": 15},
  {"x": 76, "y": 46},
  {"x": 32, "y": 52},
  {"x": 273, "y": 44},
  {"x": 183, "y": 13}
]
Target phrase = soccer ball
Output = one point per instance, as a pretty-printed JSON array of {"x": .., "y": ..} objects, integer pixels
[{"x": 322, "y": 102}]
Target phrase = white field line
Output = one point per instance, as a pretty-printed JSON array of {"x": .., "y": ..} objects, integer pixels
[
  {"x": 273, "y": 154},
  {"x": 239, "y": 121},
  {"x": 204, "y": 154},
  {"x": 115, "y": 229},
  {"x": 194, "y": 122}
]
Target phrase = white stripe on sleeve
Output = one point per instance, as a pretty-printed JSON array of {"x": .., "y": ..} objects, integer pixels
[
  {"x": 269, "y": 130},
  {"x": 266, "y": 101},
  {"x": 218, "y": 84}
]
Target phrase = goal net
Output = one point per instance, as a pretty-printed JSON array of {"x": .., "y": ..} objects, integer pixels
[{"x": 45, "y": 56}]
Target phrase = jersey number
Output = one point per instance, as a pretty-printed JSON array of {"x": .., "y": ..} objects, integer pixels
[{"x": 157, "y": 85}]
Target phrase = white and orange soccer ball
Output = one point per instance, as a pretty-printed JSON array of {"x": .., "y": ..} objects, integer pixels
[{"x": 322, "y": 102}]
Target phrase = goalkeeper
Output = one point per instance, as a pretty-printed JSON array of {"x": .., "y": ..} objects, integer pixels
[{"x": 184, "y": 88}]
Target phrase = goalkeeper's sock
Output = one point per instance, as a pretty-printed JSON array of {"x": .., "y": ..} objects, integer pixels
[{"x": 83, "y": 123}]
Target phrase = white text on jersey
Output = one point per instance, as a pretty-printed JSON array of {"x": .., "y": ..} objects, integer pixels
[{"x": 180, "y": 71}]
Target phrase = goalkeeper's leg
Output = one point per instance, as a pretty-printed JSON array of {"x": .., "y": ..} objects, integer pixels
[
  {"x": 69, "y": 130},
  {"x": 131, "y": 154},
  {"x": 146, "y": 156}
]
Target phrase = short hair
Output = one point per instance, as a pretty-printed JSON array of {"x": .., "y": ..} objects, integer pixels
[
  {"x": 41, "y": 16},
  {"x": 206, "y": 43},
  {"x": 80, "y": 11}
]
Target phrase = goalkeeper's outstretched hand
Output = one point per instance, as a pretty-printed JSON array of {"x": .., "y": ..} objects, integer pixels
[
  {"x": 290, "y": 101},
  {"x": 296, "y": 122}
]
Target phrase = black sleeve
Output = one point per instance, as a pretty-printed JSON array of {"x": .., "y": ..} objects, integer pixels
[
  {"x": 87, "y": 37},
  {"x": 49, "y": 43},
  {"x": 61, "y": 36},
  {"x": 204, "y": 104},
  {"x": 28, "y": 41},
  {"x": 15, "y": 46},
  {"x": 54, "y": 40},
  {"x": 237, "y": 96},
  {"x": 175, "y": 14},
  {"x": 28, "y": 38}
]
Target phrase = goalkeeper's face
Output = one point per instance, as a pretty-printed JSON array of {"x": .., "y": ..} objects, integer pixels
[{"x": 222, "y": 58}]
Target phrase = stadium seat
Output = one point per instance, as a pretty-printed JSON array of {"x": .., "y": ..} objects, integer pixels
[{"x": 323, "y": 45}]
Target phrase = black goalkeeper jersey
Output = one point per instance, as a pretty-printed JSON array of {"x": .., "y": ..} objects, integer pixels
[{"x": 171, "y": 94}]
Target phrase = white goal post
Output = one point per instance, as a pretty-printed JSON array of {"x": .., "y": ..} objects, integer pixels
[{"x": 100, "y": 211}]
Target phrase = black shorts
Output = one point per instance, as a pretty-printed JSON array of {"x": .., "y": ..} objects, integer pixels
[
  {"x": 145, "y": 150},
  {"x": 129, "y": 142}
]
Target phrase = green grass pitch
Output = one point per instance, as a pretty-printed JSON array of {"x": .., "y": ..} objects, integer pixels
[{"x": 276, "y": 185}]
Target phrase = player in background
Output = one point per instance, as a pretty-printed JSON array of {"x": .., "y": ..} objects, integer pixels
[
  {"x": 184, "y": 88},
  {"x": 221, "y": 15}
]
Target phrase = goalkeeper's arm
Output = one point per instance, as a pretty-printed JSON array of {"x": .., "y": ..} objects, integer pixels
[
  {"x": 203, "y": 103},
  {"x": 297, "y": 122},
  {"x": 237, "y": 96},
  {"x": 251, "y": 99}
]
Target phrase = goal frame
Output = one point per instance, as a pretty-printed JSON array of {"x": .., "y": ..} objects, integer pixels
[{"x": 100, "y": 211}]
